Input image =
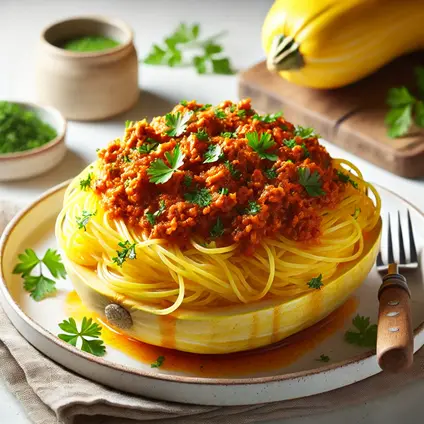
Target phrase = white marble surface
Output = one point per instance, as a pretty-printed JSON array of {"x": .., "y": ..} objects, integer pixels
[{"x": 20, "y": 24}]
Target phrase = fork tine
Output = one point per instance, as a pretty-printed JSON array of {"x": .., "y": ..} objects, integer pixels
[
  {"x": 379, "y": 259},
  {"x": 391, "y": 257},
  {"x": 402, "y": 256},
  {"x": 412, "y": 248}
]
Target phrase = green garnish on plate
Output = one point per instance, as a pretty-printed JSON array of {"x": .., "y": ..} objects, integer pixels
[{"x": 89, "y": 43}]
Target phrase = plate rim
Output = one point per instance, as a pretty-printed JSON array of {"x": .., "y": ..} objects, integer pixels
[{"x": 145, "y": 374}]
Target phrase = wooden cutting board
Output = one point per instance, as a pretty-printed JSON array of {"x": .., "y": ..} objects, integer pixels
[{"x": 351, "y": 117}]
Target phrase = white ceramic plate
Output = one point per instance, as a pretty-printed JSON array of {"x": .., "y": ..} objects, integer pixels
[{"x": 281, "y": 372}]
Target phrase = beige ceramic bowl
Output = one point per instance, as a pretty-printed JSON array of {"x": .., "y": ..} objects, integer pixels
[
  {"x": 29, "y": 163},
  {"x": 93, "y": 85}
]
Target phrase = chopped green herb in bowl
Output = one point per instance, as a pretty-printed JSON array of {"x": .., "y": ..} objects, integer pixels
[{"x": 92, "y": 43}]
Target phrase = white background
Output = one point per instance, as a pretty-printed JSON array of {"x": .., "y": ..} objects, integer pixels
[{"x": 21, "y": 22}]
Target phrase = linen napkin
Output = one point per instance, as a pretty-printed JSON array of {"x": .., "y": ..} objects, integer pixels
[{"x": 51, "y": 394}]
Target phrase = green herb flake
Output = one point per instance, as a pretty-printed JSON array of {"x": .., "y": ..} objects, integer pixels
[
  {"x": 187, "y": 180},
  {"x": 89, "y": 334},
  {"x": 213, "y": 153},
  {"x": 177, "y": 123},
  {"x": 200, "y": 197},
  {"x": 345, "y": 178},
  {"x": 355, "y": 215},
  {"x": 218, "y": 229},
  {"x": 253, "y": 208},
  {"x": 89, "y": 43},
  {"x": 305, "y": 150},
  {"x": 290, "y": 143},
  {"x": 311, "y": 182},
  {"x": 39, "y": 286},
  {"x": 271, "y": 173},
  {"x": 82, "y": 220},
  {"x": 159, "y": 172},
  {"x": 129, "y": 124},
  {"x": 205, "y": 107},
  {"x": 223, "y": 191},
  {"x": 158, "y": 363},
  {"x": 232, "y": 108},
  {"x": 219, "y": 113},
  {"x": 364, "y": 334},
  {"x": 127, "y": 251},
  {"x": 126, "y": 159},
  {"x": 241, "y": 113},
  {"x": 261, "y": 144},
  {"x": 323, "y": 358},
  {"x": 228, "y": 134},
  {"x": 304, "y": 132},
  {"x": 268, "y": 118},
  {"x": 202, "y": 135},
  {"x": 151, "y": 217},
  {"x": 184, "y": 103},
  {"x": 85, "y": 183},
  {"x": 148, "y": 145},
  {"x": 235, "y": 173},
  {"x": 315, "y": 282}
]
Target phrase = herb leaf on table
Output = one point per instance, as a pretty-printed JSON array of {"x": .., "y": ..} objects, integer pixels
[{"x": 364, "y": 334}]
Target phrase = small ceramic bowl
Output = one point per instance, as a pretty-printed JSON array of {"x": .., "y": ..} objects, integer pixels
[
  {"x": 90, "y": 85},
  {"x": 29, "y": 163}
]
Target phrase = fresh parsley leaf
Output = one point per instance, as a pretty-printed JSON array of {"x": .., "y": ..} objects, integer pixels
[
  {"x": 323, "y": 358},
  {"x": 218, "y": 229},
  {"x": 213, "y": 153},
  {"x": 219, "y": 113},
  {"x": 356, "y": 213},
  {"x": 183, "y": 102},
  {"x": 158, "y": 363},
  {"x": 269, "y": 118},
  {"x": 288, "y": 161},
  {"x": 223, "y": 190},
  {"x": 315, "y": 282},
  {"x": 253, "y": 208},
  {"x": 177, "y": 123},
  {"x": 126, "y": 159},
  {"x": 261, "y": 144},
  {"x": 311, "y": 182},
  {"x": 399, "y": 97},
  {"x": 365, "y": 334},
  {"x": 39, "y": 285},
  {"x": 187, "y": 180},
  {"x": 151, "y": 217},
  {"x": 89, "y": 335},
  {"x": 156, "y": 56},
  {"x": 199, "y": 63},
  {"x": 202, "y": 135},
  {"x": 305, "y": 150},
  {"x": 159, "y": 172},
  {"x": 127, "y": 251},
  {"x": 232, "y": 108},
  {"x": 345, "y": 178},
  {"x": 85, "y": 183},
  {"x": 305, "y": 132},
  {"x": 270, "y": 173},
  {"x": 228, "y": 134},
  {"x": 82, "y": 220},
  {"x": 205, "y": 107},
  {"x": 222, "y": 66},
  {"x": 235, "y": 173},
  {"x": 398, "y": 121},
  {"x": 147, "y": 146},
  {"x": 242, "y": 113},
  {"x": 200, "y": 197},
  {"x": 290, "y": 143},
  {"x": 129, "y": 124}
]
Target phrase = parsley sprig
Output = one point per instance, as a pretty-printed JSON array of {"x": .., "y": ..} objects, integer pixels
[
  {"x": 201, "y": 197},
  {"x": 39, "y": 285},
  {"x": 345, "y": 178},
  {"x": 159, "y": 172},
  {"x": 269, "y": 118},
  {"x": 405, "y": 108},
  {"x": 158, "y": 363},
  {"x": 217, "y": 229},
  {"x": 311, "y": 182},
  {"x": 186, "y": 37},
  {"x": 177, "y": 123},
  {"x": 89, "y": 335},
  {"x": 364, "y": 334},
  {"x": 323, "y": 358},
  {"x": 151, "y": 217},
  {"x": 271, "y": 173},
  {"x": 85, "y": 183},
  {"x": 253, "y": 208},
  {"x": 260, "y": 144},
  {"x": 82, "y": 220},
  {"x": 202, "y": 135},
  {"x": 213, "y": 153},
  {"x": 148, "y": 146},
  {"x": 127, "y": 251},
  {"x": 315, "y": 282},
  {"x": 305, "y": 132}
]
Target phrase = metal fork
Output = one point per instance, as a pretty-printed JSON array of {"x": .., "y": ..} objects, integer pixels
[{"x": 394, "y": 334}]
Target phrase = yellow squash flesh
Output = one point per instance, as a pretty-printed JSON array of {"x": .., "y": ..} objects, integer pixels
[
  {"x": 332, "y": 43},
  {"x": 234, "y": 328}
]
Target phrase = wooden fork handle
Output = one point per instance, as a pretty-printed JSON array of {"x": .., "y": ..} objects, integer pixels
[{"x": 395, "y": 339}]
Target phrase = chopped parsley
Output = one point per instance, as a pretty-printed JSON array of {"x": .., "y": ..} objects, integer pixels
[
  {"x": 232, "y": 108},
  {"x": 219, "y": 113},
  {"x": 126, "y": 159},
  {"x": 269, "y": 118},
  {"x": 213, "y": 153},
  {"x": 200, "y": 197},
  {"x": 177, "y": 123},
  {"x": 159, "y": 172},
  {"x": 290, "y": 143},
  {"x": 261, "y": 144},
  {"x": 187, "y": 180},
  {"x": 253, "y": 208},
  {"x": 364, "y": 334},
  {"x": 345, "y": 178},
  {"x": 151, "y": 217},
  {"x": 228, "y": 135},
  {"x": 39, "y": 285},
  {"x": 202, "y": 135},
  {"x": 183, "y": 102},
  {"x": 270, "y": 173},
  {"x": 242, "y": 113},
  {"x": 82, "y": 220},
  {"x": 356, "y": 213},
  {"x": 129, "y": 124},
  {"x": 233, "y": 171},
  {"x": 305, "y": 150},
  {"x": 89, "y": 335},
  {"x": 223, "y": 190},
  {"x": 86, "y": 183},
  {"x": 205, "y": 107},
  {"x": 315, "y": 282},
  {"x": 323, "y": 358},
  {"x": 127, "y": 251},
  {"x": 311, "y": 182},
  {"x": 148, "y": 146},
  {"x": 218, "y": 229},
  {"x": 158, "y": 363},
  {"x": 305, "y": 132}
]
